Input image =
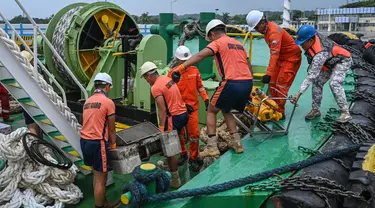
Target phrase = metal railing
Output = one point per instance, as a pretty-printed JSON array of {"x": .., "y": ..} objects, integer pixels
[
  {"x": 45, "y": 39},
  {"x": 249, "y": 36},
  {"x": 36, "y": 60}
]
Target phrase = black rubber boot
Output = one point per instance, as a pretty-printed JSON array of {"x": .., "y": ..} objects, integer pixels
[
  {"x": 182, "y": 159},
  {"x": 195, "y": 165}
]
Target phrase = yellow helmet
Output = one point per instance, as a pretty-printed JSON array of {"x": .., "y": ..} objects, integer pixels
[{"x": 27, "y": 55}]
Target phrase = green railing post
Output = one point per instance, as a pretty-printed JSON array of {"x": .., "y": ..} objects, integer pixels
[{"x": 165, "y": 20}]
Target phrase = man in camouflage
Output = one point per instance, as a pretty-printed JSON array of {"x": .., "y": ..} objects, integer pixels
[{"x": 328, "y": 61}]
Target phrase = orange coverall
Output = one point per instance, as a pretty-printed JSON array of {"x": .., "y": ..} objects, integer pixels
[
  {"x": 189, "y": 85},
  {"x": 4, "y": 98},
  {"x": 284, "y": 62}
]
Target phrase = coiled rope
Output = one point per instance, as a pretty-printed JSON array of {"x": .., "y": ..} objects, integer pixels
[
  {"x": 63, "y": 162},
  {"x": 138, "y": 187},
  {"x": 189, "y": 31},
  {"x": 26, "y": 183},
  {"x": 47, "y": 89},
  {"x": 58, "y": 42},
  {"x": 142, "y": 198}
]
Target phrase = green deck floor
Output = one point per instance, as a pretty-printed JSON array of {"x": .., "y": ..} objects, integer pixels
[{"x": 261, "y": 153}]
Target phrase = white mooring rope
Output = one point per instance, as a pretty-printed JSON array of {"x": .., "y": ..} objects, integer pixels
[
  {"x": 25, "y": 183},
  {"x": 47, "y": 89}
]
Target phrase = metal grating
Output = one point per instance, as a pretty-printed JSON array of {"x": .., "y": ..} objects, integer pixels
[{"x": 137, "y": 133}]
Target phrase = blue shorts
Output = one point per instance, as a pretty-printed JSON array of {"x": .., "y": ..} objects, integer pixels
[
  {"x": 232, "y": 94},
  {"x": 28, "y": 119},
  {"x": 95, "y": 154},
  {"x": 177, "y": 122}
]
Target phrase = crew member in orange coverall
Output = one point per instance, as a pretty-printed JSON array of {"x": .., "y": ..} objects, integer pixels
[
  {"x": 285, "y": 56},
  {"x": 5, "y": 107},
  {"x": 190, "y": 84}
]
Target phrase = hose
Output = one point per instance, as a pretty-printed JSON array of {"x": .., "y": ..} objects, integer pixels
[{"x": 34, "y": 152}]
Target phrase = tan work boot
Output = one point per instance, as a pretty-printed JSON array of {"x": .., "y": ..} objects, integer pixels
[
  {"x": 235, "y": 143},
  {"x": 344, "y": 117},
  {"x": 313, "y": 114},
  {"x": 175, "y": 182},
  {"x": 210, "y": 149}
]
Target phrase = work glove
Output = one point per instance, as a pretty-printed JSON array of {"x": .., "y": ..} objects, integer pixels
[
  {"x": 112, "y": 146},
  {"x": 206, "y": 103},
  {"x": 176, "y": 76},
  {"x": 189, "y": 108},
  {"x": 266, "y": 79}
]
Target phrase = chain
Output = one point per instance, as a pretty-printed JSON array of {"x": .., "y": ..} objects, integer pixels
[
  {"x": 368, "y": 97},
  {"x": 364, "y": 66},
  {"x": 349, "y": 83},
  {"x": 314, "y": 152},
  {"x": 351, "y": 74},
  {"x": 324, "y": 126},
  {"x": 355, "y": 132},
  {"x": 352, "y": 50},
  {"x": 321, "y": 186},
  {"x": 333, "y": 111}
]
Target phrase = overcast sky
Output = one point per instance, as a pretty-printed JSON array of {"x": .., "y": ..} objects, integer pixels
[{"x": 44, "y": 8}]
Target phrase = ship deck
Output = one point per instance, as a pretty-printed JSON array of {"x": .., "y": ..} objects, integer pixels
[{"x": 261, "y": 153}]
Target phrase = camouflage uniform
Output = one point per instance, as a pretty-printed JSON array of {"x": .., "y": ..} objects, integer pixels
[{"x": 317, "y": 77}]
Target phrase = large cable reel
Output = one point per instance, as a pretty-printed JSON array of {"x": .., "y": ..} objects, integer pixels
[{"x": 86, "y": 37}]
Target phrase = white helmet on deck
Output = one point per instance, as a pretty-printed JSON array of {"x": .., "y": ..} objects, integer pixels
[
  {"x": 147, "y": 67},
  {"x": 212, "y": 24},
  {"x": 253, "y": 18},
  {"x": 183, "y": 53},
  {"x": 104, "y": 77}
]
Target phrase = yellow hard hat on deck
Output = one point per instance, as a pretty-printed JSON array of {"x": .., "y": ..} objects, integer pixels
[{"x": 27, "y": 55}]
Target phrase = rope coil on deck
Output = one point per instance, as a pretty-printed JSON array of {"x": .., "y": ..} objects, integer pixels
[
  {"x": 27, "y": 183},
  {"x": 47, "y": 89},
  {"x": 138, "y": 187}
]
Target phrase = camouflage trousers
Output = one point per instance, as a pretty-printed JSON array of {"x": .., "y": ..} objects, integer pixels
[{"x": 337, "y": 76}]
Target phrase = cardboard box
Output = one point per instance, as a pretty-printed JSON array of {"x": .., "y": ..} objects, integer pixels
[{"x": 5, "y": 129}]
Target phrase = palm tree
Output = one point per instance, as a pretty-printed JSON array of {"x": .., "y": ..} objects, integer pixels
[
  {"x": 145, "y": 19},
  {"x": 226, "y": 17}
]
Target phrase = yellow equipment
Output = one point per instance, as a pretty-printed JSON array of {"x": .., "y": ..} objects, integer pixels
[{"x": 267, "y": 108}]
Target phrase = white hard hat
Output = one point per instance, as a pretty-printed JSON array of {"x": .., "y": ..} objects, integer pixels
[
  {"x": 103, "y": 77},
  {"x": 213, "y": 23},
  {"x": 183, "y": 53},
  {"x": 253, "y": 18},
  {"x": 147, "y": 66}
]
